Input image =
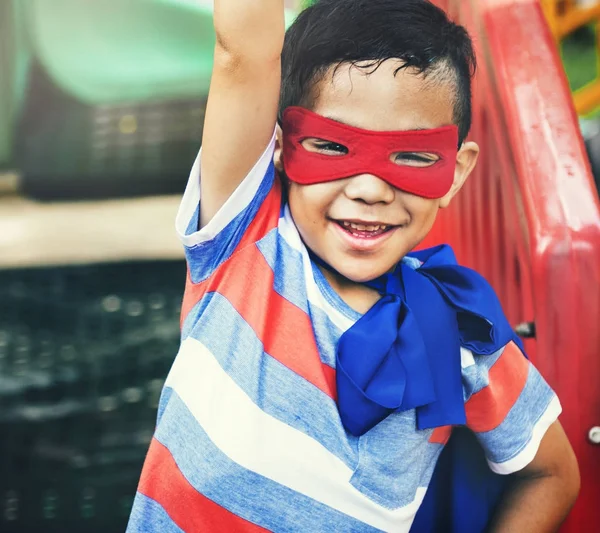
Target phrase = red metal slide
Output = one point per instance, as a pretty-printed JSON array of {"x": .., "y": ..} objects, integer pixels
[{"x": 529, "y": 219}]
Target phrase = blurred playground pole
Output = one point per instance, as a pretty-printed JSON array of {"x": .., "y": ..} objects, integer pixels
[{"x": 565, "y": 17}]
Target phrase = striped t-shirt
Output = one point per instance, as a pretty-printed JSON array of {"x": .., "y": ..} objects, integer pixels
[{"x": 248, "y": 435}]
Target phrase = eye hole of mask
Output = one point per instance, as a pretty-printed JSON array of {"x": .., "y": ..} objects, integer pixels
[
  {"x": 334, "y": 149},
  {"x": 414, "y": 159},
  {"x": 321, "y": 146}
]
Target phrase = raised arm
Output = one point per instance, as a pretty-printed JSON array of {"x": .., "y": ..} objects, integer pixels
[{"x": 244, "y": 94}]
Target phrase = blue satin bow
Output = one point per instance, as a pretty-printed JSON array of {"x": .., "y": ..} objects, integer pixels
[{"x": 404, "y": 353}]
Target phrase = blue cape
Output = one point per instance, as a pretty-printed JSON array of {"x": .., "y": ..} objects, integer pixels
[
  {"x": 413, "y": 337},
  {"x": 464, "y": 493}
]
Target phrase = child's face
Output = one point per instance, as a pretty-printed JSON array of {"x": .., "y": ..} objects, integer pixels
[{"x": 381, "y": 101}]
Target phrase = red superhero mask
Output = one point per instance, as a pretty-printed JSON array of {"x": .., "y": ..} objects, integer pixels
[{"x": 369, "y": 152}]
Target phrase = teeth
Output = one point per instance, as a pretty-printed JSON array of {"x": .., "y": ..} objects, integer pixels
[{"x": 363, "y": 227}]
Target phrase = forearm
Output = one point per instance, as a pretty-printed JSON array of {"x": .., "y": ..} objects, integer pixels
[
  {"x": 241, "y": 112},
  {"x": 250, "y": 28},
  {"x": 534, "y": 504}
]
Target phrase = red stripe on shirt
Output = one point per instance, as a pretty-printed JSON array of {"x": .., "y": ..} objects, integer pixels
[
  {"x": 266, "y": 219},
  {"x": 441, "y": 435},
  {"x": 284, "y": 329},
  {"x": 162, "y": 481},
  {"x": 488, "y": 408},
  {"x": 300, "y": 355}
]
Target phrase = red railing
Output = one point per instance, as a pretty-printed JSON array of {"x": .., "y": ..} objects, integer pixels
[{"x": 529, "y": 217}]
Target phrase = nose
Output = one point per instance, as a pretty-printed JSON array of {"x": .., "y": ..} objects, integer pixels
[{"x": 369, "y": 189}]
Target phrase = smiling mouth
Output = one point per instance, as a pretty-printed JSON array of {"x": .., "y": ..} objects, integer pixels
[{"x": 364, "y": 230}]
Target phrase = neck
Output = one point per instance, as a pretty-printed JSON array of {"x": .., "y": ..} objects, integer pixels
[{"x": 357, "y": 295}]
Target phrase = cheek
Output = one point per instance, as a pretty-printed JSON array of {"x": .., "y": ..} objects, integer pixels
[
  {"x": 310, "y": 204},
  {"x": 422, "y": 211}
]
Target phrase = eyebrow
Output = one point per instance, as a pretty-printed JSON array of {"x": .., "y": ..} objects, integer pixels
[{"x": 336, "y": 119}]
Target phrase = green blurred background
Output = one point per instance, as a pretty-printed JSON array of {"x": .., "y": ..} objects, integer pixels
[{"x": 579, "y": 54}]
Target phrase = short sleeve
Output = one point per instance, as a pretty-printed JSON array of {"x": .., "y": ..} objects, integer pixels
[
  {"x": 509, "y": 406},
  {"x": 252, "y": 208}
]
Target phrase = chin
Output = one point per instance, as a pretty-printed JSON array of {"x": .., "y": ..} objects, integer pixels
[{"x": 361, "y": 273}]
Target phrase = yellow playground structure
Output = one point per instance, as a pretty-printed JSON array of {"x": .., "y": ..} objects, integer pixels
[{"x": 564, "y": 18}]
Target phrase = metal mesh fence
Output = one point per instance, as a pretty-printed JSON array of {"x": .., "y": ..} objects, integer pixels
[{"x": 84, "y": 352}]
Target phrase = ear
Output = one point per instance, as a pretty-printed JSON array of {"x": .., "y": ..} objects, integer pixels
[
  {"x": 277, "y": 156},
  {"x": 466, "y": 159}
]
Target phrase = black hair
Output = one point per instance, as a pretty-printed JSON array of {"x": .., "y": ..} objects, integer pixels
[{"x": 417, "y": 32}]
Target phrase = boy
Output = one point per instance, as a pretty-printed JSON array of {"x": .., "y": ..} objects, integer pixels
[{"x": 322, "y": 363}]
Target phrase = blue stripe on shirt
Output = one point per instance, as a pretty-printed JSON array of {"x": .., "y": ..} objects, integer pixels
[
  {"x": 327, "y": 335},
  {"x": 272, "y": 386},
  {"x": 289, "y": 282},
  {"x": 248, "y": 495},
  {"x": 395, "y": 459},
  {"x": 148, "y": 516},
  {"x": 205, "y": 257},
  {"x": 477, "y": 377},
  {"x": 287, "y": 266}
]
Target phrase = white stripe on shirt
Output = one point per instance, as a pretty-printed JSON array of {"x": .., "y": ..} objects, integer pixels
[{"x": 269, "y": 447}]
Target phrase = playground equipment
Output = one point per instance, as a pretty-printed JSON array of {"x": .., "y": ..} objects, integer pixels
[
  {"x": 529, "y": 218},
  {"x": 104, "y": 99},
  {"x": 13, "y": 58},
  {"x": 565, "y": 17}
]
